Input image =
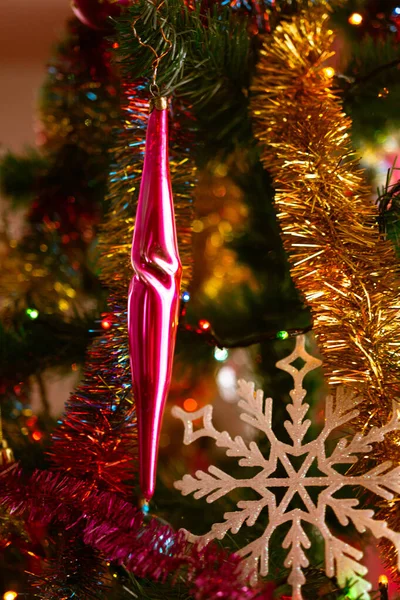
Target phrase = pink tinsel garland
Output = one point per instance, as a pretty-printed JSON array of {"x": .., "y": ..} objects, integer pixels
[{"x": 122, "y": 534}]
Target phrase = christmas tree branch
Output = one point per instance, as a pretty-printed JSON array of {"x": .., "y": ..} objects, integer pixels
[{"x": 208, "y": 53}]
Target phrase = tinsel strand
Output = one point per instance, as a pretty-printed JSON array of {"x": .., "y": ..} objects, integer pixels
[
  {"x": 96, "y": 439},
  {"x": 112, "y": 526},
  {"x": 340, "y": 262},
  {"x": 72, "y": 571}
]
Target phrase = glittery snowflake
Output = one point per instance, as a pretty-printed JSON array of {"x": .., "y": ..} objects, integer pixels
[{"x": 341, "y": 559}]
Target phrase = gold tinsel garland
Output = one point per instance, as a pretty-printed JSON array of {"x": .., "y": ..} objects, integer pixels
[{"x": 346, "y": 271}]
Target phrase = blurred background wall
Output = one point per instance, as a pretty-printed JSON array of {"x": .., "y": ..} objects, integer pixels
[{"x": 28, "y": 29}]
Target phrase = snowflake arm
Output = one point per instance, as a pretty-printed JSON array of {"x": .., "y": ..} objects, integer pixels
[
  {"x": 341, "y": 558},
  {"x": 340, "y": 410},
  {"x": 296, "y": 560},
  {"x": 250, "y": 456},
  {"x": 297, "y": 428},
  {"x": 254, "y": 414},
  {"x": 213, "y": 484},
  {"x": 344, "y": 560}
]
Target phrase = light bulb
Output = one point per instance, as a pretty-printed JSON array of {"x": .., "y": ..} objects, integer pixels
[{"x": 355, "y": 19}]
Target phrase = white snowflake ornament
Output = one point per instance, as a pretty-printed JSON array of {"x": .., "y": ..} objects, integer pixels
[{"x": 341, "y": 559}]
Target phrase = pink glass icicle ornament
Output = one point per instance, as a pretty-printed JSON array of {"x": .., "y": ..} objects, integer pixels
[{"x": 154, "y": 294}]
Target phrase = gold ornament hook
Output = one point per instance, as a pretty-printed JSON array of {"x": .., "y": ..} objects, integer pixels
[{"x": 154, "y": 89}]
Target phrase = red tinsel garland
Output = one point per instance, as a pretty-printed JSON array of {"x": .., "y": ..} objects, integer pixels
[{"x": 96, "y": 440}]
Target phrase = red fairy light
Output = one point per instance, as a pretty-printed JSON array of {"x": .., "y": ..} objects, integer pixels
[
  {"x": 204, "y": 324},
  {"x": 190, "y": 404},
  {"x": 106, "y": 323}
]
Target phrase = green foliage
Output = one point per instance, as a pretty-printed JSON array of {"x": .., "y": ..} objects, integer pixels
[
  {"x": 29, "y": 346},
  {"x": 372, "y": 97},
  {"x": 135, "y": 587},
  {"x": 19, "y": 175},
  {"x": 369, "y": 81},
  {"x": 389, "y": 207},
  {"x": 202, "y": 53},
  {"x": 208, "y": 64}
]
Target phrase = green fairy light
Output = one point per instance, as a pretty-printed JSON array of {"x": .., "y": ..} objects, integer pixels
[
  {"x": 32, "y": 313},
  {"x": 282, "y": 335}
]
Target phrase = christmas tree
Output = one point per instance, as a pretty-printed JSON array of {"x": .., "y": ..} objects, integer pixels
[{"x": 204, "y": 247}]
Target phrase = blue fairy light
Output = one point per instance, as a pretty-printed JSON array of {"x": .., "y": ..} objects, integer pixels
[{"x": 221, "y": 354}]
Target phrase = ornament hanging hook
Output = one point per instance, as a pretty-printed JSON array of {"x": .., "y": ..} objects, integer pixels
[{"x": 154, "y": 88}]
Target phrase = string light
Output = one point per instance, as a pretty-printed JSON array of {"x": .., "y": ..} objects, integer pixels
[
  {"x": 63, "y": 304},
  {"x": 221, "y": 354},
  {"x": 204, "y": 325},
  {"x": 10, "y": 595},
  {"x": 355, "y": 19},
  {"x": 190, "y": 404},
  {"x": 197, "y": 226},
  {"x": 383, "y": 93},
  {"x": 329, "y": 71},
  {"x": 383, "y": 587},
  {"x": 145, "y": 508},
  {"x": 32, "y": 313},
  {"x": 227, "y": 384},
  {"x": 282, "y": 335},
  {"x": 106, "y": 324},
  {"x": 185, "y": 297}
]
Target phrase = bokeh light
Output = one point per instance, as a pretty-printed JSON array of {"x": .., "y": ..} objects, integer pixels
[
  {"x": 355, "y": 19},
  {"x": 190, "y": 404}
]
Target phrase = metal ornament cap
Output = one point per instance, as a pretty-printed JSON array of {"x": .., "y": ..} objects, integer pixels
[{"x": 158, "y": 103}]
